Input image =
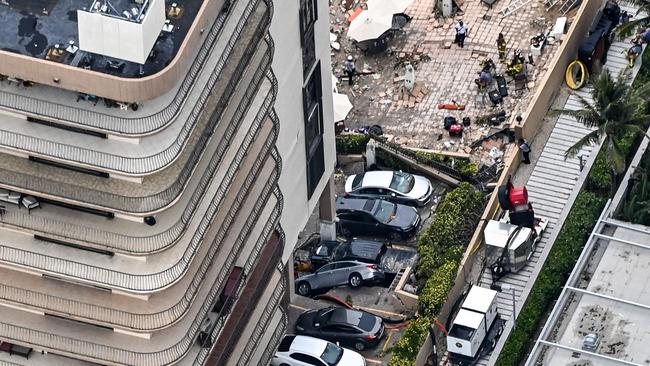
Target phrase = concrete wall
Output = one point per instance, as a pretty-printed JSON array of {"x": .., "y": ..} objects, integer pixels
[
  {"x": 287, "y": 66},
  {"x": 109, "y": 86}
]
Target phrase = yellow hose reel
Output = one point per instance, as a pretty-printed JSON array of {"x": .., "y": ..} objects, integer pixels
[{"x": 576, "y": 75}]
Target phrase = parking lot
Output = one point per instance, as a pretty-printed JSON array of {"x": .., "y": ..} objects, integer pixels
[{"x": 376, "y": 298}]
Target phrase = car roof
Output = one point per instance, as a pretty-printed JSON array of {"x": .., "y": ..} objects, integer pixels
[
  {"x": 365, "y": 248},
  {"x": 359, "y": 204},
  {"x": 377, "y": 178},
  {"x": 344, "y": 316},
  {"x": 310, "y": 345}
]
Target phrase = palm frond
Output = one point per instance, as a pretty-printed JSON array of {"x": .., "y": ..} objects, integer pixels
[
  {"x": 592, "y": 138},
  {"x": 625, "y": 30}
]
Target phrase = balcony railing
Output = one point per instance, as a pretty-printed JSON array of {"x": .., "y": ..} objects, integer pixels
[
  {"x": 122, "y": 124},
  {"x": 151, "y": 164},
  {"x": 128, "y": 243},
  {"x": 148, "y": 282},
  {"x": 103, "y": 353},
  {"x": 153, "y": 321}
]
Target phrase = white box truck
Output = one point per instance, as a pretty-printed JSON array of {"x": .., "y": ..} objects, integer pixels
[{"x": 476, "y": 327}]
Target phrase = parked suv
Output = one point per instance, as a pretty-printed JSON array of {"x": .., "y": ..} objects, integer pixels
[
  {"x": 349, "y": 327},
  {"x": 335, "y": 274},
  {"x": 376, "y": 217},
  {"x": 360, "y": 250},
  {"x": 394, "y": 186}
]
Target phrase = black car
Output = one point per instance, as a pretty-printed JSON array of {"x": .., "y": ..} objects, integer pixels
[
  {"x": 376, "y": 217},
  {"x": 349, "y": 327},
  {"x": 328, "y": 251}
]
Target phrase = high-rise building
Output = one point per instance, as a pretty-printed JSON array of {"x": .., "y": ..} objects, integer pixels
[{"x": 158, "y": 159}]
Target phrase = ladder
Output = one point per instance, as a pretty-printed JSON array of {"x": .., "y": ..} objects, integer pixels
[
  {"x": 551, "y": 3},
  {"x": 514, "y": 6},
  {"x": 568, "y": 5}
]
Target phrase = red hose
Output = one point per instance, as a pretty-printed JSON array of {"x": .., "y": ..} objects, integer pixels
[
  {"x": 334, "y": 299},
  {"x": 398, "y": 326}
]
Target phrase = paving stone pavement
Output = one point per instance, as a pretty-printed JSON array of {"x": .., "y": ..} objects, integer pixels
[{"x": 448, "y": 72}]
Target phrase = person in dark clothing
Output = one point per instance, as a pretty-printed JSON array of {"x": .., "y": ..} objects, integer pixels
[
  {"x": 461, "y": 33},
  {"x": 501, "y": 46},
  {"x": 525, "y": 150},
  {"x": 350, "y": 69}
]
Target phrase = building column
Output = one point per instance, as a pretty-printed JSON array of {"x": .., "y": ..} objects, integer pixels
[{"x": 327, "y": 211}]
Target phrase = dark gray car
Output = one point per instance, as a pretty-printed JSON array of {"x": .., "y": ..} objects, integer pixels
[
  {"x": 341, "y": 273},
  {"x": 355, "y": 328},
  {"x": 374, "y": 217}
]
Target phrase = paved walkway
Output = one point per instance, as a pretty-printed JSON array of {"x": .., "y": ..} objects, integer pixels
[
  {"x": 445, "y": 70},
  {"x": 551, "y": 189}
]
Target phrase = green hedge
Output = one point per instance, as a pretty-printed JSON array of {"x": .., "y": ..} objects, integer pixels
[
  {"x": 440, "y": 249},
  {"x": 351, "y": 143}
]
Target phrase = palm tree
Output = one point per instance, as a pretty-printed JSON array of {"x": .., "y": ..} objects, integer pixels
[{"x": 617, "y": 111}]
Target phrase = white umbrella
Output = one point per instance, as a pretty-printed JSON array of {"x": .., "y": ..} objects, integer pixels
[
  {"x": 369, "y": 25},
  {"x": 389, "y": 6},
  {"x": 342, "y": 106}
]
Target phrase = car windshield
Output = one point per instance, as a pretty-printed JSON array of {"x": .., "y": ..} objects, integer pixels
[
  {"x": 402, "y": 182},
  {"x": 356, "y": 181},
  {"x": 332, "y": 354},
  {"x": 385, "y": 211}
]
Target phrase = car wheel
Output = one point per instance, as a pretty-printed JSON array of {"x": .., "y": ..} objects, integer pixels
[
  {"x": 355, "y": 280},
  {"x": 346, "y": 232},
  {"x": 359, "y": 346},
  {"x": 493, "y": 344},
  {"x": 303, "y": 288},
  {"x": 500, "y": 331}
]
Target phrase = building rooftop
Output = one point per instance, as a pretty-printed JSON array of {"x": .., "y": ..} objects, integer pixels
[
  {"x": 40, "y": 25},
  {"x": 607, "y": 295}
]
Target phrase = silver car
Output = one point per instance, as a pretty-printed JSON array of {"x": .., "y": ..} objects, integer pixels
[
  {"x": 340, "y": 273},
  {"x": 394, "y": 186}
]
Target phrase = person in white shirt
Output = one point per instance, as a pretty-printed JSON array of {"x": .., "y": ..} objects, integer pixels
[{"x": 461, "y": 33}]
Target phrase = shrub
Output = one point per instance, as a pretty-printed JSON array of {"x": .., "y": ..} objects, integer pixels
[
  {"x": 406, "y": 349},
  {"x": 435, "y": 291},
  {"x": 351, "y": 143},
  {"x": 455, "y": 216},
  {"x": 441, "y": 249}
]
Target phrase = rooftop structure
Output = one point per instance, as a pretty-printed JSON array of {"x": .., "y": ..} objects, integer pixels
[{"x": 158, "y": 233}]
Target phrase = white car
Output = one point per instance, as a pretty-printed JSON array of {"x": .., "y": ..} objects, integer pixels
[
  {"x": 394, "y": 186},
  {"x": 296, "y": 350}
]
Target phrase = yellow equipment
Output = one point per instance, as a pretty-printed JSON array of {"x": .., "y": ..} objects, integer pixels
[{"x": 576, "y": 75}]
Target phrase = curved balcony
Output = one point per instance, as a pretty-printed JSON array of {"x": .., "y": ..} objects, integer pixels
[
  {"x": 156, "y": 192},
  {"x": 99, "y": 345},
  {"x": 156, "y": 152},
  {"x": 257, "y": 219},
  {"x": 193, "y": 47}
]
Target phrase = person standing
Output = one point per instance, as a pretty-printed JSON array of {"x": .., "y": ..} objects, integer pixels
[
  {"x": 525, "y": 150},
  {"x": 501, "y": 46},
  {"x": 461, "y": 33},
  {"x": 350, "y": 69}
]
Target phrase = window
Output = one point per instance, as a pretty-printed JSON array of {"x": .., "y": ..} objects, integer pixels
[
  {"x": 310, "y": 360},
  {"x": 308, "y": 17},
  {"x": 313, "y": 114}
]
